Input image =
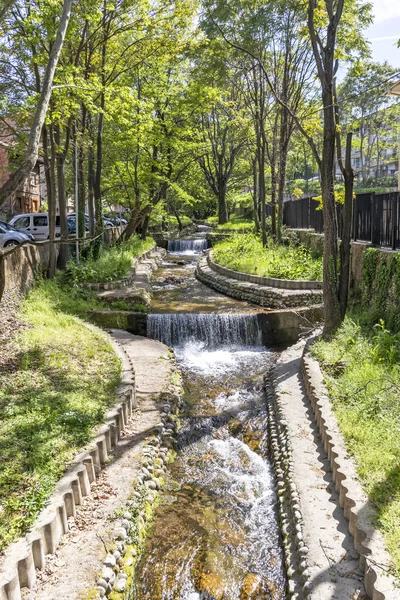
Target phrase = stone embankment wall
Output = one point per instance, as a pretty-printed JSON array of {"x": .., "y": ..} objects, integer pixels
[
  {"x": 264, "y": 295},
  {"x": 20, "y": 266},
  {"x": 315, "y": 241}
]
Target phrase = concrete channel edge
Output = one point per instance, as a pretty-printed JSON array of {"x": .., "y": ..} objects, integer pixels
[
  {"x": 29, "y": 553},
  {"x": 289, "y": 511},
  {"x": 368, "y": 542}
]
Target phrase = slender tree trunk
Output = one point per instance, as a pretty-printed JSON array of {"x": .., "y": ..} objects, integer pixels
[
  {"x": 255, "y": 195},
  {"x": 331, "y": 303},
  {"x": 261, "y": 188},
  {"x": 62, "y": 200},
  {"x": 281, "y": 188},
  {"x": 91, "y": 179},
  {"x": 345, "y": 247},
  {"x": 31, "y": 154},
  {"x": 51, "y": 196},
  {"x": 222, "y": 207}
]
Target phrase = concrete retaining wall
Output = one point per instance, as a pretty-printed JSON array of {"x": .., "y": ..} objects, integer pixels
[
  {"x": 280, "y": 328},
  {"x": 368, "y": 542}
]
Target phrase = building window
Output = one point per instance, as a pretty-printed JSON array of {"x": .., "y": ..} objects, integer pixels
[{"x": 33, "y": 179}]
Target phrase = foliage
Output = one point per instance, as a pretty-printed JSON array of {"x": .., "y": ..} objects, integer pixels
[
  {"x": 55, "y": 390},
  {"x": 236, "y": 222},
  {"x": 245, "y": 253},
  {"x": 361, "y": 370},
  {"x": 112, "y": 264},
  {"x": 380, "y": 289}
]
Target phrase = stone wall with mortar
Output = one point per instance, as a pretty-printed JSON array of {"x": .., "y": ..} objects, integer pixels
[
  {"x": 315, "y": 241},
  {"x": 20, "y": 266},
  {"x": 285, "y": 284},
  {"x": 263, "y": 295}
]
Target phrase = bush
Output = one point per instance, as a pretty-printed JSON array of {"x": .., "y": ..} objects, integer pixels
[
  {"x": 361, "y": 370},
  {"x": 113, "y": 263}
]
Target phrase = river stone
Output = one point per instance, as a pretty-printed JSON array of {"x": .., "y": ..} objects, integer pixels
[
  {"x": 125, "y": 524},
  {"x": 122, "y": 533},
  {"x": 151, "y": 485},
  {"x": 102, "y": 583},
  {"x": 110, "y": 561},
  {"x": 107, "y": 574},
  {"x": 102, "y": 591},
  {"x": 120, "y": 584}
]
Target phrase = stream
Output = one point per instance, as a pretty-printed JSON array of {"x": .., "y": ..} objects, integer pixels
[{"x": 215, "y": 534}]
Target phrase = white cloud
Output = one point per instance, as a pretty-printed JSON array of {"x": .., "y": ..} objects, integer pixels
[{"x": 385, "y": 10}]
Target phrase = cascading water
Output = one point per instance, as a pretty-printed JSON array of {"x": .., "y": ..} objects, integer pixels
[
  {"x": 189, "y": 246},
  {"x": 215, "y": 534},
  {"x": 211, "y": 330}
]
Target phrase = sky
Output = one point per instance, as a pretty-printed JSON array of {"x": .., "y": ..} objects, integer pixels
[{"x": 385, "y": 31}]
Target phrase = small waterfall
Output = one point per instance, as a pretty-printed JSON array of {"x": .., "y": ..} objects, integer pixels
[
  {"x": 195, "y": 246},
  {"x": 210, "y": 329}
]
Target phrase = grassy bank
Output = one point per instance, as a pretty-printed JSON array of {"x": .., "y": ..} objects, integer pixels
[
  {"x": 362, "y": 373},
  {"x": 235, "y": 223},
  {"x": 112, "y": 264},
  {"x": 245, "y": 253},
  {"x": 55, "y": 387}
]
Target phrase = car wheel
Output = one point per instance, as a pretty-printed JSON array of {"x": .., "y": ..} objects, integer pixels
[{"x": 11, "y": 243}]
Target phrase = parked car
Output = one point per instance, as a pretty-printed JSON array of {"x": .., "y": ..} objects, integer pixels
[
  {"x": 107, "y": 222},
  {"x": 10, "y": 238},
  {"x": 11, "y": 228},
  {"x": 37, "y": 224},
  {"x": 72, "y": 225}
]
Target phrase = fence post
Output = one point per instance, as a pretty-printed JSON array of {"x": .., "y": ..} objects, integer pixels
[
  {"x": 394, "y": 219},
  {"x": 355, "y": 219}
]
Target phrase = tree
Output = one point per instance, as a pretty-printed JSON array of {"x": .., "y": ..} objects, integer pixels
[{"x": 32, "y": 151}]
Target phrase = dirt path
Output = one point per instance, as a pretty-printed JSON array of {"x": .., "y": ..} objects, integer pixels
[
  {"x": 72, "y": 571},
  {"x": 332, "y": 561}
]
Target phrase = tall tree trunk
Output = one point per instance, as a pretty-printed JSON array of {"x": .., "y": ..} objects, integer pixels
[
  {"x": 281, "y": 187},
  {"x": 91, "y": 179},
  {"x": 62, "y": 200},
  {"x": 331, "y": 303},
  {"x": 48, "y": 156},
  {"x": 345, "y": 247},
  {"x": 31, "y": 154},
  {"x": 261, "y": 189},
  {"x": 222, "y": 206},
  {"x": 255, "y": 195}
]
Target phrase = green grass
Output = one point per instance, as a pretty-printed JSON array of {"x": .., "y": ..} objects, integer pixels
[
  {"x": 53, "y": 393},
  {"x": 235, "y": 222},
  {"x": 362, "y": 373},
  {"x": 245, "y": 253},
  {"x": 113, "y": 263}
]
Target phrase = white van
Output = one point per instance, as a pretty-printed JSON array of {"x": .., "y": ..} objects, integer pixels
[{"x": 35, "y": 223}]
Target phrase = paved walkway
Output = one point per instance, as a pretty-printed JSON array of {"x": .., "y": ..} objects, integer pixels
[
  {"x": 332, "y": 561},
  {"x": 72, "y": 571}
]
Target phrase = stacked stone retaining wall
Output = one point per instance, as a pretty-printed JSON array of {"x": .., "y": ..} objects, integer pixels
[{"x": 263, "y": 295}]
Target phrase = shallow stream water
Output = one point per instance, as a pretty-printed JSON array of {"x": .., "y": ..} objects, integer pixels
[{"x": 215, "y": 533}]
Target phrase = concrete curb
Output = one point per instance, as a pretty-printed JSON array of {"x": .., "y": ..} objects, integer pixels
[
  {"x": 295, "y": 550},
  {"x": 286, "y": 284},
  {"x": 117, "y": 575},
  {"x": 114, "y": 285},
  {"x": 263, "y": 295},
  {"x": 368, "y": 542},
  {"x": 29, "y": 553}
]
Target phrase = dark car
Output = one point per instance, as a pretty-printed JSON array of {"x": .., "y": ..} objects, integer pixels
[{"x": 11, "y": 228}]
